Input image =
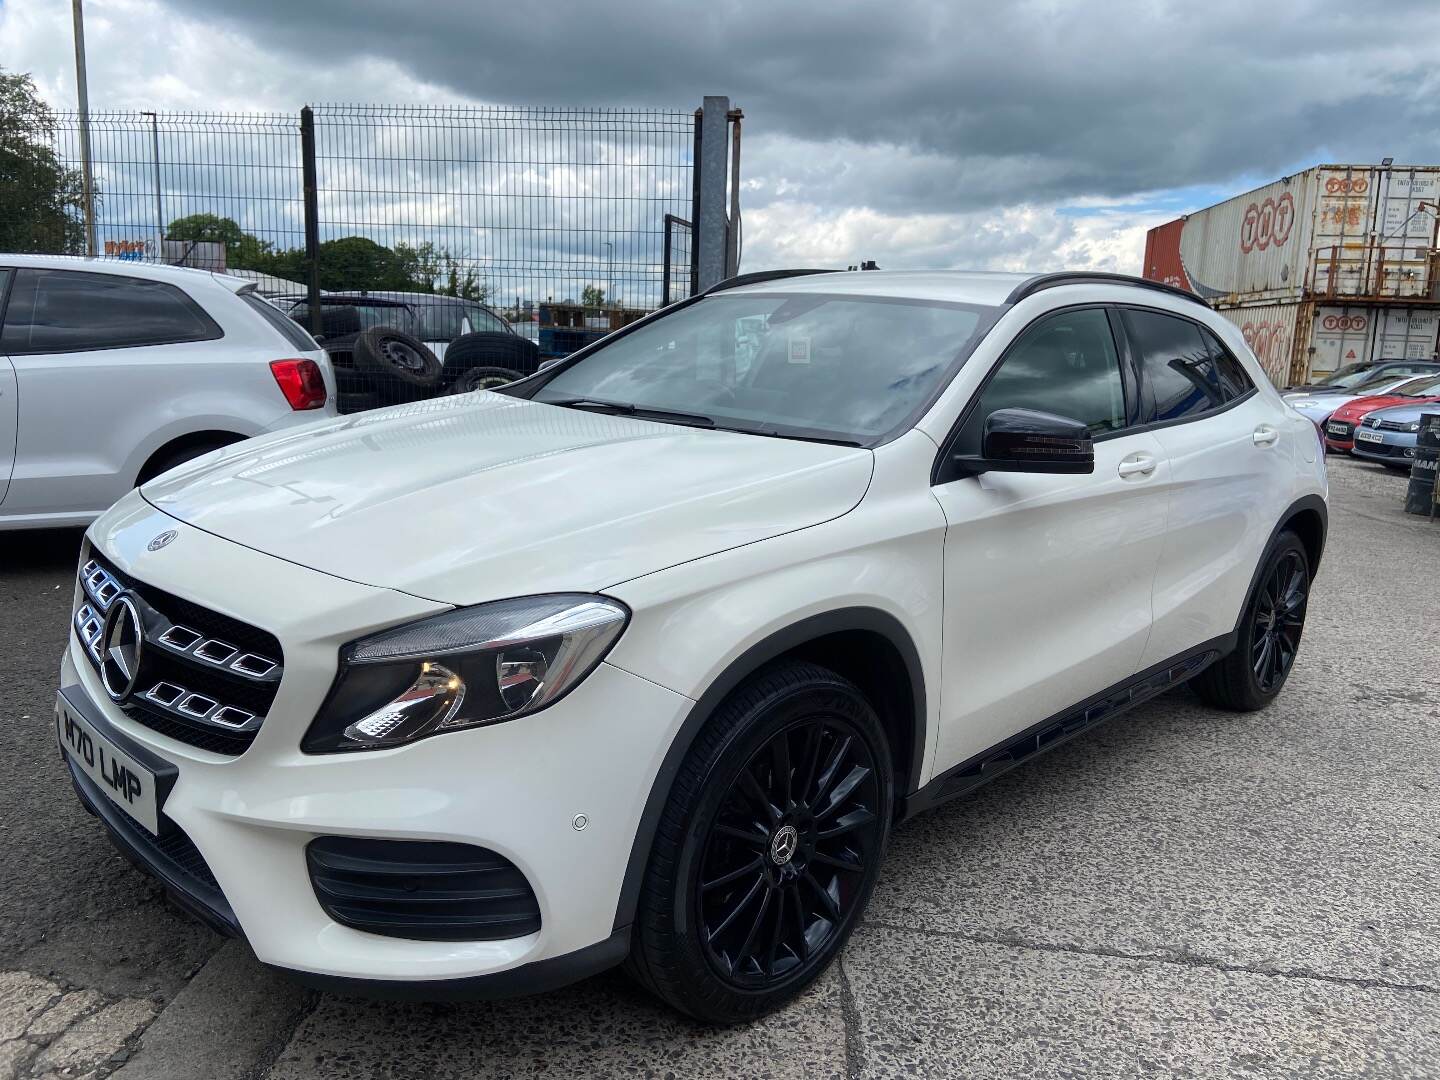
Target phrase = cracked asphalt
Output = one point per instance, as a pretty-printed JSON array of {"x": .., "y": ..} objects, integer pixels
[{"x": 1182, "y": 892}]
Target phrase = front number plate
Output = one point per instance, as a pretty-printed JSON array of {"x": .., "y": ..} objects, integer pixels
[
  {"x": 127, "y": 783},
  {"x": 1369, "y": 436},
  {"x": 1336, "y": 429}
]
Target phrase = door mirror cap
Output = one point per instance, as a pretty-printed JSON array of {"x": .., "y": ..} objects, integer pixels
[{"x": 1026, "y": 440}]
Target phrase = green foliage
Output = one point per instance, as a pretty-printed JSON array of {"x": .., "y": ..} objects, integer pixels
[
  {"x": 592, "y": 296},
  {"x": 43, "y": 204}
]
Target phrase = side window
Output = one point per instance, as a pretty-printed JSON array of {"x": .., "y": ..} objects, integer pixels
[
  {"x": 1066, "y": 364},
  {"x": 483, "y": 320},
  {"x": 1230, "y": 372},
  {"x": 72, "y": 311},
  {"x": 1178, "y": 372}
]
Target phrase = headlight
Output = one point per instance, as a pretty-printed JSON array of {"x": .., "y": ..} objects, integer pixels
[
  {"x": 1413, "y": 427},
  {"x": 473, "y": 666}
]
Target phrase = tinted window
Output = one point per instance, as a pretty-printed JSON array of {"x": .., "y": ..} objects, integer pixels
[
  {"x": 70, "y": 311},
  {"x": 1234, "y": 382},
  {"x": 292, "y": 331},
  {"x": 1066, "y": 365},
  {"x": 831, "y": 366},
  {"x": 1179, "y": 372}
]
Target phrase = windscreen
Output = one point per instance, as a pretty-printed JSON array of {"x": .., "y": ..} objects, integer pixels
[{"x": 841, "y": 366}]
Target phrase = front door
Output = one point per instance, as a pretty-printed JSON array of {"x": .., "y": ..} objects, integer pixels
[{"x": 1048, "y": 577}]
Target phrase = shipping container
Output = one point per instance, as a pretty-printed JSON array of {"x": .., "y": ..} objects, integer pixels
[
  {"x": 1298, "y": 342},
  {"x": 1334, "y": 265},
  {"x": 1347, "y": 231}
]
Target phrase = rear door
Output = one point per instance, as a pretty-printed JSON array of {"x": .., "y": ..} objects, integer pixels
[
  {"x": 1230, "y": 475},
  {"x": 97, "y": 359},
  {"x": 1048, "y": 577}
]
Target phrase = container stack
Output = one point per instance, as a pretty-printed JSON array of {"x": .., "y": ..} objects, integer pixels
[{"x": 1335, "y": 265}]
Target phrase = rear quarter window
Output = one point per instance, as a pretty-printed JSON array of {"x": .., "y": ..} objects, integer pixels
[
  {"x": 58, "y": 311},
  {"x": 293, "y": 333}
]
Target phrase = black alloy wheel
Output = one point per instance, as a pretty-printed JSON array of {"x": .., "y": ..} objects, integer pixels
[
  {"x": 1268, "y": 633},
  {"x": 1279, "y": 619},
  {"x": 768, "y": 848},
  {"x": 785, "y": 860}
]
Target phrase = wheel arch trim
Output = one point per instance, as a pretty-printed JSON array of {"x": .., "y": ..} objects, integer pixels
[
  {"x": 1306, "y": 504},
  {"x": 777, "y": 644}
]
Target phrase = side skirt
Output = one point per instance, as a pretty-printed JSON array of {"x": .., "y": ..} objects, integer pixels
[{"x": 1064, "y": 726}]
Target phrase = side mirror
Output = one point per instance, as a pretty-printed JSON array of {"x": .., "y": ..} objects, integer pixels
[
  {"x": 1026, "y": 440},
  {"x": 544, "y": 364}
]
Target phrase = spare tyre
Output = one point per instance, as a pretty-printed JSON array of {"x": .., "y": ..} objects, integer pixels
[
  {"x": 481, "y": 378},
  {"x": 385, "y": 351},
  {"x": 490, "y": 349}
]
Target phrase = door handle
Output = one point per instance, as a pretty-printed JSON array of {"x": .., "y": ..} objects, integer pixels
[
  {"x": 1137, "y": 465},
  {"x": 1265, "y": 435}
]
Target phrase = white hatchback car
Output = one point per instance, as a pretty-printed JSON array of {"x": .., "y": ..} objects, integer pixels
[
  {"x": 112, "y": 372},
  {"x": 640, "y": 660}
]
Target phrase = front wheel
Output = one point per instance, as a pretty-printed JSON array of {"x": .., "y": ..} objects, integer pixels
[
  {"x": 768, "y": 849},
  {"x": 1269, "y": 636}
]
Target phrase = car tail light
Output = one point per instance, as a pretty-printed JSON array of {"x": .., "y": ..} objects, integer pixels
[{"x": 301, "y": 383}]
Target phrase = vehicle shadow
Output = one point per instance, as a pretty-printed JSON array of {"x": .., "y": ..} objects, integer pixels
[{"x": 39, "y": 550}]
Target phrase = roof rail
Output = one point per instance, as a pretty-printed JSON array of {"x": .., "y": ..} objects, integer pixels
[
  {"x": 759, "y": 276},
  {"x": 1041, "y": 282}
]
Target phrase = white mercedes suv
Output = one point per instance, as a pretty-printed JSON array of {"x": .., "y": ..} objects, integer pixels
[
  {"x": 640, "y": 660},
  {"x": 112, "y": 372}
]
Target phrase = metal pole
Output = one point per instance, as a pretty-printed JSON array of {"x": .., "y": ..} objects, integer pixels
[
  {"x": 713, "y": 221},
  {"x": 732, "y": 238},
  {"x": 609, "y": 272},
  {"x": 312, "y": 216},
  {"x": 159, "y": 211},
  {"x": 82, "y": 91},
  {"x": 695, "y": 202},
  {"x": 665, "y": 254}
]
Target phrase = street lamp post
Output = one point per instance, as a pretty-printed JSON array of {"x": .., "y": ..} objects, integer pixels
[{"x": 87, "y": 176}]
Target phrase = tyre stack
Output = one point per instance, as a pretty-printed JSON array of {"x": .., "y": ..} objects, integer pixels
[
  {"x": 1420, "y": 495},
  {"x": 381, "y": 366}
]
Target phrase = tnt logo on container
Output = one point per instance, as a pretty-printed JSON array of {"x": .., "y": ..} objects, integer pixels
[
  {"x": 1269, "y": 342},
  {"x": 1344, "y": 322},
  {"x": 1345, "y": 185},
  {"x": 1267, "y": 223}
]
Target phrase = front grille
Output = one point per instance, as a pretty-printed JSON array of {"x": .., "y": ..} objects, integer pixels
[
  {"x": 1377, "y": 449},
  {"x": 421, "y": 889},
  {"x": 204, "y": 678},
  {"x": 1391, "y": 425}
]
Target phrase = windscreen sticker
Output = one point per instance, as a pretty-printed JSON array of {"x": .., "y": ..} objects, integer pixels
[{"x": 799, "y": 350}]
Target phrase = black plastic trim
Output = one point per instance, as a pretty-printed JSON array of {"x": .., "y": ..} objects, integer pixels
[
  {"x": 1065, "y": 725},
  {"x": 750, "y": 661},
  {"x": 1042, "y": 282},
  {"x": 207, "y": 905},
  {"x": 537, "y": 977},
  {"x": 759, "y": 276},
  {"x": 1307, "y": 502}
]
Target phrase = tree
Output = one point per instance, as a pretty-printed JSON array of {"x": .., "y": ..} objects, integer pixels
[
  {"x": 242, "y": 250},
  {"x": 43, "y": 205},
  {"x": 592, "y": 296}
]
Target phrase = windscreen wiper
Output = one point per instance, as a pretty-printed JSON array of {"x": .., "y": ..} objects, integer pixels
[{"x": 624, "y": 408}]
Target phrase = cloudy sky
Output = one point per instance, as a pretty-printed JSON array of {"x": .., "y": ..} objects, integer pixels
[{"x": 1026, "y": 134}]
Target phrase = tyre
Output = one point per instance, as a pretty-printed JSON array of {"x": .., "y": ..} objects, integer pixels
[
  {"x": 1269, "y": 637},
  {"x": 489, "y": 349},
  {"x": 768, "y": 849},
  {"x": 335, "y": 322},
  {"x": 482, "y": 378},
  {"x": 385, "y": 351}
]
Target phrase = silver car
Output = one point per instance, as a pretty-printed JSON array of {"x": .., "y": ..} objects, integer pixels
[{"x": 1388, "y": 435}]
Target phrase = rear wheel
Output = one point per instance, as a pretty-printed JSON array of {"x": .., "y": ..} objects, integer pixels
[
  {"x": 483, "y": 378},
  {"x": 1270, "y": 630},
  {"x": 769, "y": 848}
]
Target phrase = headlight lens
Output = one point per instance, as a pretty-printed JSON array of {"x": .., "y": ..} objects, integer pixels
[
  {"x": 1414, "y": 426},
  {"x": 462, "y": 669}
]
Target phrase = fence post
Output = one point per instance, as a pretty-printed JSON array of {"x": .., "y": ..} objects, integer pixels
[
  {"x": 312, "y": 216},
  {"x": 711, "y": 219}
]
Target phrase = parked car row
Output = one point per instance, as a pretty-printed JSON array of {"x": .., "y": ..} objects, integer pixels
[{"x": 1372, "y": 413}]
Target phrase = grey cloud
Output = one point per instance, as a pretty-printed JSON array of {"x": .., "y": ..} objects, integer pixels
[{"x": 978, "y": 102}]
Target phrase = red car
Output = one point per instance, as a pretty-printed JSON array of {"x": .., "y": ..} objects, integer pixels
[{"x": 1341, "y": 424}]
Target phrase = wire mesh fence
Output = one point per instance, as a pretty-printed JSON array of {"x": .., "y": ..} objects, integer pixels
[{"x": 510, "y": 206}]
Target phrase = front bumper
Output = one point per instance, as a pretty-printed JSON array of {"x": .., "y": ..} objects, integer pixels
[
  {"x": 1396, "y": 448},
  {"x": 514, "y": 788}
]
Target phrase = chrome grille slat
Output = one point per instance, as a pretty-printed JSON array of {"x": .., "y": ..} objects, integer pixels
[{"x": 233, "y": 684}]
